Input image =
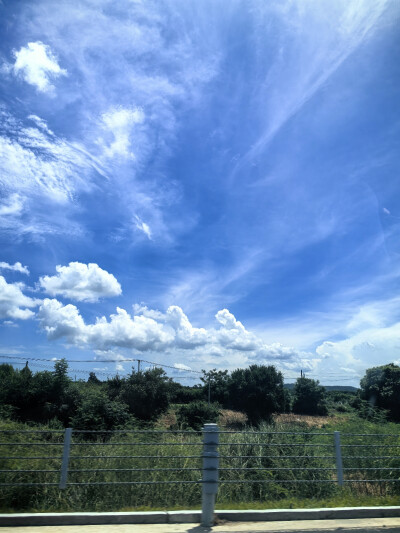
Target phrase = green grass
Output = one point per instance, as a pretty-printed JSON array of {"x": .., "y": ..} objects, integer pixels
[{"x": 271, "y": 495}]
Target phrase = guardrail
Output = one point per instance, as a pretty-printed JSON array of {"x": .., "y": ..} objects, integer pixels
[{"x": 148, "y": 457}]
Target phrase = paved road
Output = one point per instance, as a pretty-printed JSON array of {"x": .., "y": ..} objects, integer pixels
[{"x": 371, "y": 525}]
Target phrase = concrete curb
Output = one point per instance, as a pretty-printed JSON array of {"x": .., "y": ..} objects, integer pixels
[{"x": 183, "y": 517}]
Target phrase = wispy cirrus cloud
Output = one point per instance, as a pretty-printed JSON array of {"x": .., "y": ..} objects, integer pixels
[{"x": 313, "y": 41}]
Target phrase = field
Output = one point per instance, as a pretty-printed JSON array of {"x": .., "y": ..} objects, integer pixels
[{"x": 248, "y": 475}]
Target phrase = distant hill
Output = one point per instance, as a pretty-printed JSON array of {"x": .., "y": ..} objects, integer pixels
[{"x": 339, "y": 388}]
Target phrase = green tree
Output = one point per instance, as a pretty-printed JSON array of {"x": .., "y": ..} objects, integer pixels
[
  {"x": 309, "y": 398},
  {"x": 381, "y": 388},
  {"x": 146, "y": 393},
  {"x": 258, "y": 391},
  {"x": 97, "y": 412},
  {"x": 218, "y": 382},
  {"x": 93, "y": 379}
]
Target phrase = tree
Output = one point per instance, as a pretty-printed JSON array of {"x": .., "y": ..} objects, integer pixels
[
  {"x": 93, "y": 379},
  {"x": 381, "y": 388},
  {"x": 146, "y": 393},
  {"x": 309, "y": 398},
  {"x": 217, "y": 381},
  {"x": 258, "y": 391}
]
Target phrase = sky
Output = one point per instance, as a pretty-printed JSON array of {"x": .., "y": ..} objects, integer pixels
[{"x": 202, "y": 184}]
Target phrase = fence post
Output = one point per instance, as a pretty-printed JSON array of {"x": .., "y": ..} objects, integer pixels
[
  {"x": 210, "y": 473},
  {"x": 65, "y": 458},
  {"x": 339, "y": 462}
]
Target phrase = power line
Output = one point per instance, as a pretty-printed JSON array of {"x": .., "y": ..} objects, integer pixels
[{"x": 97, "y": 361}]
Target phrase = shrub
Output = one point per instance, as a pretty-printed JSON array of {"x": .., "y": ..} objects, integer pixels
[{"x": 195, "y": 414}]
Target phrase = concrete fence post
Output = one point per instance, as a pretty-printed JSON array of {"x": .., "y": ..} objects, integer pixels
[
  {"x": 210, "y": 473},
  {"x": 339, "y": 461},
  {"x": 65, "y": 458}
]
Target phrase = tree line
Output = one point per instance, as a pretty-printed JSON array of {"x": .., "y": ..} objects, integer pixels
[{"x": 140, "y": 398}]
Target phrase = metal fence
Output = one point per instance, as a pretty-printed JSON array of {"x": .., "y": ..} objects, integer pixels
[{"x": 209, "y": 459}]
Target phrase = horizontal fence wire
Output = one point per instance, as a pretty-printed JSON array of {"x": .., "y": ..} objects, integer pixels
[
  {"x": 135, "y": 457},
  {"x": 136, "y": 444},
  {"x": 252, "y": 448},
  {"x": 278, "y": 456},
  {"x": 27, "y": 457},
  {"x": 141, "y": 431}
]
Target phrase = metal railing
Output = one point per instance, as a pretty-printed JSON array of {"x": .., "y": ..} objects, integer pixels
[{"x": 76, "y": 458}]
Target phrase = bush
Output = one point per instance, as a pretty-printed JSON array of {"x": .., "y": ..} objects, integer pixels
[
  {"x": 195, "y": 414},
  {"x": 97, "y": 412}
]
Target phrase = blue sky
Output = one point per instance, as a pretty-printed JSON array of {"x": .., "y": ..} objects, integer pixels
[{"x": 201, "y": 183}]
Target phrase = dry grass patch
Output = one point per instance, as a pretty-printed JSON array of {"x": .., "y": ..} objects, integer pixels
[
  {"x": 308, "y": 420},
  {"x": 234, "y": 420}
]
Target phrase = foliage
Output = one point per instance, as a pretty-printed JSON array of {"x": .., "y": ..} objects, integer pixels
[
  {"x": 258, "y": 391},
  {"x": 146, "y": 393},
  {"x": 195, "y": 414},
  {"x": 93, "y": 379},
  {"x": 260, "y": 448},
  {"x": 97, "y": 412},
  {"x": 381, "y": 388},
  {"x": 309, "y": 397},
  {"x": 183, "y": 394},
  {"x": 217, "y": 381}
]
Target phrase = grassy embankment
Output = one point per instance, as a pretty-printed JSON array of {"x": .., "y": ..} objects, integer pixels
[{"x": 188, "y": 496}]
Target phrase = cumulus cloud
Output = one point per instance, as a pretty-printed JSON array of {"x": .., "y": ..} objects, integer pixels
[
  {"x": 37, "y": 65},
  {"x": 14, "y": 304},
  {"x": 17, "y": 267},
  {"x": 81, "y": 282},
  {"x": 167, "y": 333}
]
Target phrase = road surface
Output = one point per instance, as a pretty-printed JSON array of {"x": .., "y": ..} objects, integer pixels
[{"x": 370, "y": 525}]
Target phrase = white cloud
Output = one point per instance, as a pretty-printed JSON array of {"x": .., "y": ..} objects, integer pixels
[
  {"x": 17, "y": 267},
  {"x": 13, "y": 303},
  {"x": 37, "y": 65},
  {"x": 11, "y": 206},
  {"x": 40, "y": 123},
  {"x": 168, "y": 334},
  {"x": 36, "y": 167},
  {"x": 312, "y": 43},
  {"x": 120, "y": 124},
  {"x": 81, "y": 282},
  {"x": 142, "y": 226},
  {"x": 181, "y": 366}
]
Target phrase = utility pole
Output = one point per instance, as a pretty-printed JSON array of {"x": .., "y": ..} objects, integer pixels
[
  {"x": 138, "y": 365},
  {"x": 209, "y": 391}
]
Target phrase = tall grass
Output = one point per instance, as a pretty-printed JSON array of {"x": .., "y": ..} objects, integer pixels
[{"x": 172, "y": 459}]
